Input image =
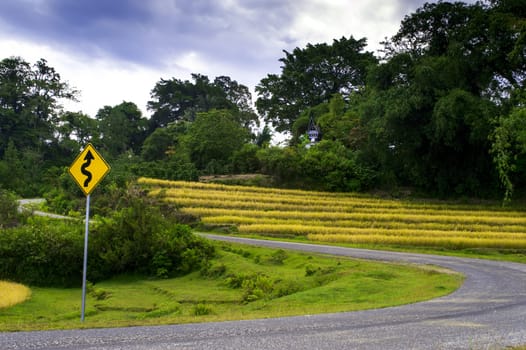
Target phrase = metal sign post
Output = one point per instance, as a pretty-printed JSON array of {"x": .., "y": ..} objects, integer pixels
[
  {"x": 88, "y": 169},
  {"x": 85, "y": 264}
]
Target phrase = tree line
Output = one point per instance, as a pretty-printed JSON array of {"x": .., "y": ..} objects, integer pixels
[{"x": 440, "y": 110}]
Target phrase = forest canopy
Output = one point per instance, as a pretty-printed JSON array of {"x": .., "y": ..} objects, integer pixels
[{"x": 441, "y": 110}]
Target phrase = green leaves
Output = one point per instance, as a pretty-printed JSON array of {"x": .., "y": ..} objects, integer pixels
[
  {"x": 9, "y": 215},
  {"x": 176, "y": 100},
  {"x": 509, "y": 150},
  {"x": 30, "y": 99},
  {"x": 45, "y": 252},
  {"x": 213, "y": 138},
  {"x": 121, "y": 128},
  {"x": 311, "y": 76}
]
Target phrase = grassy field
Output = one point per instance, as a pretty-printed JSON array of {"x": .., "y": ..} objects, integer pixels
[
  {"x": 352, "y": 219},
  {"x": 240, "y": 283},
  {"x": 248, "y": 282}
]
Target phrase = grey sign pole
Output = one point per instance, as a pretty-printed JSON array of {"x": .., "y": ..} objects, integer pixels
[
  {"x": 85, "y": 266},
  {"x": 87, "y": 179}
]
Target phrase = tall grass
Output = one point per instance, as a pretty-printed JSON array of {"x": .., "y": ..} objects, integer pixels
[{"x": 12, "y": 294}]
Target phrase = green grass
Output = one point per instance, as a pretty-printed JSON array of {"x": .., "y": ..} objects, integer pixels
[
  {"x": 511, "y": 255},
  {"x": 241, "y": 283}
]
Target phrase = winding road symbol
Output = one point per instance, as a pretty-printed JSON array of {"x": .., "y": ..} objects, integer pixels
[
  {"x": 88, "y": 179},
  {"x": 88, "y": 158}
]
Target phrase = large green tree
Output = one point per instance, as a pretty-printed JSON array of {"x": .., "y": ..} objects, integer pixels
[
  {"x": 30, "y": 109},
  {"x": 176, "y": 100},
  {"x": 509, "y": 150},
  {"x": 121, "y": 128},
  {"x": 213, "y": 138},
  {"x": 75, "y": 130},
  {"x": 432, "y": 105},
  {"x": 311, "y": 76},
  {"x": 163, "y": 142},
  {"x": 30, "y": 104},
  {"x": 486, "y": 42}
]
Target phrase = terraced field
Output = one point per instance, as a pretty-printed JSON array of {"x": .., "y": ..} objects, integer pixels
[{"x": 344, "y": 217}]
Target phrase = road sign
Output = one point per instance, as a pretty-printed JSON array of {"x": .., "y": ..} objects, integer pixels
[{"x": 88, "y": 169}]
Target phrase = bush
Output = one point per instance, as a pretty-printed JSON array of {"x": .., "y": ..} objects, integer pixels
[
  {"x": 332, "y": 167},
  {"x": 245, "y": 160},
  {"x": 8, "y": 209},
  {"x": 134, "y": 239},
  {"x": 202, "y": 310},
  {"x": 213, "y": 271},
  {"x": 257, "y": 286},
  {"x": 278, "y": 257},
  {"x": 281, "y": 163},
  {"x": 138, "y": 238},
  {"x": 44, "y": 252}
]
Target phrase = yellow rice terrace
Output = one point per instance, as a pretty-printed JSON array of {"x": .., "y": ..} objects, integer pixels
[{"x": 345, "y": 217}]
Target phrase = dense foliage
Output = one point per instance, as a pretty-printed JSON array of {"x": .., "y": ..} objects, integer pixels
[
  {"x": 312, "y": 76},
  {"x": 441, "y": 111},
  {"x": 9, "y": 215},
  {"x": 135, "y": 238}
]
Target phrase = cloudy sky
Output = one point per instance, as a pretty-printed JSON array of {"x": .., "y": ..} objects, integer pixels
[{"x": 116, "y": 50}]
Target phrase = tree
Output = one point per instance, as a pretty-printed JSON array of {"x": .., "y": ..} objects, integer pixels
[
  {"x": 486, "y": 42},
  {"x": 263, "y": 137},
  {"x": 23, "y": 170},
  {"x": 240, "y": 96},
  {"x": 330, "y": 166},
  {"x": 312, "y": 76},
  {"x": 76, "y": 129},
  {"x": 342, "y": 123},
  {"x": 426, "y": 128},
  {"x": 30, "y": 99},
  {"x": 156, "y": 145},
  {"x": 213, "y": 138},
  {"x": 431, "y": 106},
  {"x": 509, "y": 150},
  {"x": 121, "y": 128},
  {"x": 176, "y": 100}
]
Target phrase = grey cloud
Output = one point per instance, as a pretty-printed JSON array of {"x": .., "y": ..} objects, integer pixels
[{"x": 145, "y": 32}]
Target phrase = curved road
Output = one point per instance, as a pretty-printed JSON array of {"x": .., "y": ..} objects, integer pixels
[{"x": 487, "y": 312}]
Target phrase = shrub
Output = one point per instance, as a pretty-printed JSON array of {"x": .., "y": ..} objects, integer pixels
[
  {"x": 213, "y": 271},
  {"x": 202, "y": 310},
  {"x": 97, "y": 293},
  {"x": 8, "y": 209},
  {"x": 287, "y": 287},
  {"x": 138, "y": 238},
  {"x": 245, "y": 160},
  {"x": 257, "y": 286},
  {"x": 278, "y": 257},
  {"x": 44, "y": 252}
]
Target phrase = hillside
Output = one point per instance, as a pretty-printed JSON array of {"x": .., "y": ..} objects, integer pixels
[{"x": 346, "y": 217}]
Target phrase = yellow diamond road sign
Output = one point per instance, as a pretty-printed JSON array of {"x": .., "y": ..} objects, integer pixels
[{"x": 88, "y": 169}]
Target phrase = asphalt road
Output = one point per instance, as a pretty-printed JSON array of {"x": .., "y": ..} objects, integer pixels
[
  {"x": 24, "y": 205},
  {"x": 487, "y": 312}
]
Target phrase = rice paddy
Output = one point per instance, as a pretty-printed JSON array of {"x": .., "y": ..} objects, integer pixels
[{"x": 346, "y": 217}]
